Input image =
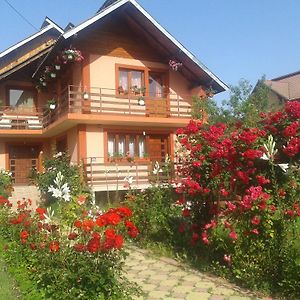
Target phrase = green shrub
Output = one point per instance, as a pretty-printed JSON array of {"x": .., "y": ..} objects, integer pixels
[
  {"x": 5, "y": 183},
  {"x": 73, "y": 176}
]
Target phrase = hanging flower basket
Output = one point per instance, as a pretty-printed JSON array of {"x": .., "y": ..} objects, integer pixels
[{"x": 174, "y": 64}]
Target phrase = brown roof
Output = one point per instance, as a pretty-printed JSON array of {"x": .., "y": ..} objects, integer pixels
[{"x": 287, "y": 86}]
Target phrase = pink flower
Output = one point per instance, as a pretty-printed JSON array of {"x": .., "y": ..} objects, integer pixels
[
  {"x": 227, "y": 258},
  {"x": 254, "y": 231}
]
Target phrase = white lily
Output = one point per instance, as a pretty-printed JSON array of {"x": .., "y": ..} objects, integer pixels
[{"x": 284, "y": 167}]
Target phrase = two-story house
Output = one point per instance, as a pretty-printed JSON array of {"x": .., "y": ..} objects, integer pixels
[{"x": 110, "y": 91}]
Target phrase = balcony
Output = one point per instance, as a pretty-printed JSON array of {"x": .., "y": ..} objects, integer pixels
[
  {"x": 80, "y": 104},
  {"x": 114, "y": 175}
]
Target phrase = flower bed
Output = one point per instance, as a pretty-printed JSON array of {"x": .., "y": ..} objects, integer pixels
[{"x": 80, "y": 261}]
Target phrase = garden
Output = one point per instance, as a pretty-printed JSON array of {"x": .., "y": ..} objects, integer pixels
[{"x": 235, "y": 212}]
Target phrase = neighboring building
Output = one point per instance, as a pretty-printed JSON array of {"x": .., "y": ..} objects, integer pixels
[
  {"x": 283, "y": 88},
  {"x": 128, "y": 95}
]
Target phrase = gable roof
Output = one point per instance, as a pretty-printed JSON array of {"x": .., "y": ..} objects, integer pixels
[
  {"x": 46, "y": 26},
  {"x": 29, "y": 49},
  {"x": 166, "y": 40},
  {"x": 286, "y": 86}
]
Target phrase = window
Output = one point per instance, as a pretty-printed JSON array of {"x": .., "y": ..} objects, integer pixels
[
  {"x": 130, "y": 81},
  {"x": 122, "y": 144},
  {"x": 21, "y": 98}
]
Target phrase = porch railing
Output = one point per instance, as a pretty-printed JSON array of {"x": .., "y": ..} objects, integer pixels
[{"x": 120, "y": 174}]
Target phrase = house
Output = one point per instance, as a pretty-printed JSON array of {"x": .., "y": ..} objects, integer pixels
[
  {"x": 110, "y": 91},
  {"x": 282, "y": 89}
]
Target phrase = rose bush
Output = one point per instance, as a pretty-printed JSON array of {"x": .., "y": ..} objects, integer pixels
[
  {"x": 83, "y": 261},
  {"x": 240, "y": 197}
]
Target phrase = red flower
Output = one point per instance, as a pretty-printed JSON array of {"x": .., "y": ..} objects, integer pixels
[
  {"x": 79, "y": 247},
  {"x": 262, "y": 180},
  {"x": 254, "y": 231},
  {"x": 77, "y": 223},
  {"x": 255, "y": 220},
  {"x": 93, "y": 245},
  {"x": 181, "y": 228},
  {"x": 133, "y": 232},
  {"x": 81, "y": 199},
  {"x": 32, "y": 246},
  {"x": 233, "y": 235},
  {"x": 110, "y": 233},
  {"x": 54, "y": 246},
  {"x": 124, "y": 211},
  {"x": 186, "y": 213},
  {"x": 204, "y": 238},
  {"x": 72, "y": 236},
  {"x": 88, "y": 225},
  {"x": 24, "y": 235},
  {"x": 101, "y": 221}
]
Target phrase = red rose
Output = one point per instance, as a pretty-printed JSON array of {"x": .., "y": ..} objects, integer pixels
[
  {"x": 72, "y": 236},
  {"x": 54, "y": 246}
]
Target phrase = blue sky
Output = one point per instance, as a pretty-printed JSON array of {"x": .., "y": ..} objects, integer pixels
[{"x": 234, "y": 38}]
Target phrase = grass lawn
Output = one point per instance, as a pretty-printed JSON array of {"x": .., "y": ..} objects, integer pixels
[{"x": 8, "y": 289}]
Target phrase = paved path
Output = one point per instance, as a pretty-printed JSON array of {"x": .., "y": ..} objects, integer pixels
[
  {"x": 25, "y": 191},
  {"x": 165, "y": 278}
]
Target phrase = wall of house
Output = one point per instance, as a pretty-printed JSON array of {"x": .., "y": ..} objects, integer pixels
[
  {"x": 95, "y": 142},
  {"x": 2, "y": 156},
  {"x": 103, "y": 73},
  {"x": 72, "y": 136}
]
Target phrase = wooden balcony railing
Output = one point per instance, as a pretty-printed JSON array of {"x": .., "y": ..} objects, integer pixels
[
  {"x": 115, "y": 175},
  {"x": 11, "y": 118},
  {"x": 79, "y": 100},
  {"x": 109, "y": 101}
]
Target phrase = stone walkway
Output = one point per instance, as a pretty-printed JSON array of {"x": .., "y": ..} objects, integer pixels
[{"x": 164, "y": 278}]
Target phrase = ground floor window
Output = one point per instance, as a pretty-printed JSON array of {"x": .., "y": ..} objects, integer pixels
[{"x": 122, "y": 145}]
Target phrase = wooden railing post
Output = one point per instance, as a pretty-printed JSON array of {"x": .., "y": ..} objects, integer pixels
[{"x": 100, "y": 91}]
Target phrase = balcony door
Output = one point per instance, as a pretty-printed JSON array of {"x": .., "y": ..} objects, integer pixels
[
  {"x": 157, "y": 104},
  {"x": 22, "y": 159}
]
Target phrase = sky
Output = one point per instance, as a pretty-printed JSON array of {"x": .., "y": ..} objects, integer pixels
[{"x": 235, "y": 39}]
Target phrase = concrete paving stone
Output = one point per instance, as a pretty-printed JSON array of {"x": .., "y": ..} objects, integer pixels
[
  {"x": 239, "y": 298},
  {"x": 217, "y": 297},
  {"x": 146, "y": 273},
  {"x": 197, "y": 296},
  {"x": 201, "y": 290},
  {"x": 140, "y": 267},
  {"x": 159, "y": 277},
  {"x": 178, "y": 295},
  {"x": 224, "y": 291},
  {"x": 151, "y": 281},
  {"x": 164, "y": 288},
  {"x": 205, "y": 284},
  {"x": 182, "y": 289},
  {"x": 147, "y": 287},
  {"x": 158, "y": 294},
  {"x": 187, "y": 283},
  {"x": 169, "y": 282},
  {"x": 178, "y": 273},
  {"x": 191, "y": 277}
]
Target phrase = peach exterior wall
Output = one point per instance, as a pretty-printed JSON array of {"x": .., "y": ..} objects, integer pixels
[
  {"x": 2, "y": 156},
  {"x": 103, "y": 73},
  {"x": 72, "y": 137},
  {"x": 95, "y": 142}
]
